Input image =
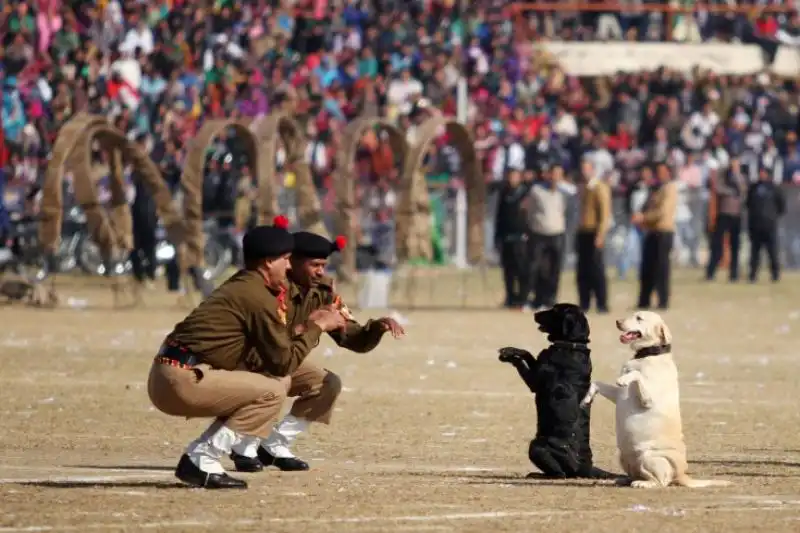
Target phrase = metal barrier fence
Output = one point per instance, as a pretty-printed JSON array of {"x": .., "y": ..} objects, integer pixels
[{"x": 622, "y": 249}]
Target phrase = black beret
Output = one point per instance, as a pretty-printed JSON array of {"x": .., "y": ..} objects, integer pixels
[
  {"x": 315, "y": 246},
  {"x": 264, "y": 242}
]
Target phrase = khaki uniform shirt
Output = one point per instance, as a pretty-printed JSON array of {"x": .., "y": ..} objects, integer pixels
[
  {"x": 353, "y": 336},
  {"x": 595, "y": 207},
  {"x": 245, "y": 324},
  {"x": 660, "y": 209}
]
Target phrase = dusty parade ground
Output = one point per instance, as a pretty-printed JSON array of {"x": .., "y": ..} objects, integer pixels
[{"x": 430, "y": 433}]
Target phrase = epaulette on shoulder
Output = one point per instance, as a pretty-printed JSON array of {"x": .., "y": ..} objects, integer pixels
[
  {"x": 326, "y": 287},
  {"x": 326, "y": 284}
]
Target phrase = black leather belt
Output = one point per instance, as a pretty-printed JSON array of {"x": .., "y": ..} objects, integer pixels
[{"x": 175, "y": 355}]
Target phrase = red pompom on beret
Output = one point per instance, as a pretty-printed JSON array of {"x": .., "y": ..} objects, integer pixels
[
  {"x": 281, "y": 221},
  {"x": 313, "y": 246}
]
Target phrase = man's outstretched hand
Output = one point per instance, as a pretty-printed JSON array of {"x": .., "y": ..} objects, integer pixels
[{"x": 392, "y": 326}]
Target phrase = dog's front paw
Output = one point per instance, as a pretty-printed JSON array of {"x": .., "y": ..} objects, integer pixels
[
  {"x": 626, "y": 379},
  {"x": 589, "y": 398},
  {"x": 510, "y": 354},
  {"x": 642, "y": 484}
]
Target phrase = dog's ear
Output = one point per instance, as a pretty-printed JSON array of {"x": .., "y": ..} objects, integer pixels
[
  {"x": 664, "y": 334},
  {"x": 575, "y": 327}
]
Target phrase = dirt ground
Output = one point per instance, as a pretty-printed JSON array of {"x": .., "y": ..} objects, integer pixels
[{"x": 430, "y": 434}]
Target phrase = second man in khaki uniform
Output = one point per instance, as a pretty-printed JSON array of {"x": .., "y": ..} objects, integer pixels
[
  {"x": 311, "y": 291},
  {"x": 593, "y": 226},
  {"x": 657, "y": 219}
]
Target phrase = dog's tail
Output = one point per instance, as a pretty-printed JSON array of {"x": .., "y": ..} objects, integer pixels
[{"x": 686, "y": 481}]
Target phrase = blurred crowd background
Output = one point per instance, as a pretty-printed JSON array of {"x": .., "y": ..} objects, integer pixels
[{"x": 159, "y": 68}]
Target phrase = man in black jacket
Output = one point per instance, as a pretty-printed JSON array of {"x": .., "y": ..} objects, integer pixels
[
  {"x": 511, "y": 239},
  {"x": 765, "y": 205},
  {"x": 730, "y": 193},
  {"x": 170, "y": 162},
  {"x": 145, "y": 222}
]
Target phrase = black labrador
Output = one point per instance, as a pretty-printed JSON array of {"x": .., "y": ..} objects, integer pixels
[{"x": 560, "y": 378}]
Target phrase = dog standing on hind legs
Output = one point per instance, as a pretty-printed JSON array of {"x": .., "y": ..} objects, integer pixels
[
  {"x": 652, "y": 451},
  {"x": 559, "y": 378}
]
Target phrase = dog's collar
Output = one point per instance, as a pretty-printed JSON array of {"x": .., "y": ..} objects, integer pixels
[
  {"x": 571, "y": 345},
  {"x": 653, "y": 350}
]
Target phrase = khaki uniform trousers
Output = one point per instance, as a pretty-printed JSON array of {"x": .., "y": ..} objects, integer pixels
[
  {"x": 316, "y": 390},
  {"x": 246, "y": 402}
]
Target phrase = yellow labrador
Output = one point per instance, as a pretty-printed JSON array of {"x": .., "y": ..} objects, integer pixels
[{"x": 648, "y": 412}]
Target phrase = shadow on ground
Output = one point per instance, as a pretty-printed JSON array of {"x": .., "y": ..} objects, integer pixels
[
  {"x": 738, "y": 462},
  {"x": 142, "y": 468},
  {"x": 106, "y": 484}
]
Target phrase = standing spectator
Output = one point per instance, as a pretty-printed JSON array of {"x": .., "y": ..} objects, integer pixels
[
  {"x": 791, "y": 167},
  {"x": 635, "y": 198},
  {"x": 730, "y": 191},
  {"x": 657, "y": 219},
  {"x": 4, "y": 175},
  {"x": 700, "y": 127},
  {"x": 689, "y": 183},
  {"x": 511, "y": 240},
  {"x": 546, "y": 214},
  {"x": 601, "y": 158},
  {"x": 509, "y": 155},
  {"x": 593, "y": 226},
  {"x": 659, "y": 149},
  {"x": 765, "y": 205},
  {"x": 145, "y": 221},
  {"x": 4, "y": 218},
  {"x": 403, "y": 90},
  {"x": 771, "y": 159}
]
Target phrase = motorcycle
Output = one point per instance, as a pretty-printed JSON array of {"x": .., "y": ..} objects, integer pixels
[
  {"x": 23, "y": 255},
  {"x": 218, "y": 255},
  {"x": 92, "y": 262},
  {"x": 65, "y": 258},
  {"x": 222, "y": 249}
]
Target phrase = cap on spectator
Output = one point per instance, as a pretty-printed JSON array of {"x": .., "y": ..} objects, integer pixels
[
  {"x": 313, "y": 246},
  {"x": 267, "y": 242}
]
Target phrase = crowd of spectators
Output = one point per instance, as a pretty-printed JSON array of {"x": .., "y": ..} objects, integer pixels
[
  {"x": 648, "y": 21},
  {"x": 159, "y": 68}
]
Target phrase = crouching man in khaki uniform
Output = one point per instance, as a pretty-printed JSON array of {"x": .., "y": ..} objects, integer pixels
[{"x": 195, "y": 373}]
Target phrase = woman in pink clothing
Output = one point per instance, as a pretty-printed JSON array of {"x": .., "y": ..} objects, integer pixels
[{"x": 48, "y": 22}]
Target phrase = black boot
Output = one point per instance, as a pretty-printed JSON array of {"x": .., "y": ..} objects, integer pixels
[
  {"x": 191, "y": 475},
  {"x": 246, "y": 464},
  {"x": 287, "y": 464}
]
